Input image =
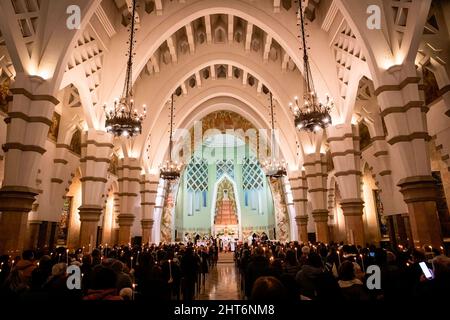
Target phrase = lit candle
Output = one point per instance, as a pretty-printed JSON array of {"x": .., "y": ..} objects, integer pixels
[
  {"x": 67, "y": 256},
  {"x": 132, "y": 292},
  {"x": 137, "y": 258},
  {"x": 131, "y": 262},
  {"x": 59, "y": 258},
  {"x": 362, "y": 263},
  {"x": 339, "y": 257},
  {"x": 170, "y": 271}
]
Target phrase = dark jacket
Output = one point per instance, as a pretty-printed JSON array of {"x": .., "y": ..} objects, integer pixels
[
  {"x": 353, "y": 290},
  {"x": 257, "y": 267},
  {"x": 306, "y": 279}
]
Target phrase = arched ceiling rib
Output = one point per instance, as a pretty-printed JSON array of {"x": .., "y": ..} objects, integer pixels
[
  {"x": 238, "y": 98},
  {"x": 279, "y": 29},
  {"x": 189, "y": 70}
]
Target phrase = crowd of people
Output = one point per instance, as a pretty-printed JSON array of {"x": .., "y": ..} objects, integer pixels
[
  {"x": 157, "y": 272},
  {"x": 336, "y": 272},
  {"x": 267, "y": 270}
]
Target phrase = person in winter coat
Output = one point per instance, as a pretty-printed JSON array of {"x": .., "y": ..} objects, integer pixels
[
  {"x": 351, "y": 287},
  {"x": 306, "y": 277},
  {"x": 257, "y": 267},
  {"x": 104, "y": 281}
]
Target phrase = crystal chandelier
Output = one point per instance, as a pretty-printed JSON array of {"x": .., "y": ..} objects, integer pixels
[
  {"x": 124, "y": 119},
  {"x": 170, "y": 170},
  {"x": 273, "y": 168},
  {"x": 313, "y": 115}
]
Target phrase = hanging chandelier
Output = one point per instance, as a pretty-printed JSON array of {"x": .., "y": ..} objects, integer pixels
[
  {"x": 124, "y": 119},
  {"x": 170, "y": 170},
  {"x": 273, "y": 167},
  {"x": 313, "y": 115}
]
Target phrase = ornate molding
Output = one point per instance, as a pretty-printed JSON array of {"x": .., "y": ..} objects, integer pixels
[
  {"x": 22, "y": 147},
  {"x": 26, "y": 118},
  {"x": 34, "y": 97},
  {"x": 396, "y": 87}
]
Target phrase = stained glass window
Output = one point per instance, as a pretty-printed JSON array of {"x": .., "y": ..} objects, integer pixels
[
  {"x": 225, "y": 167},
  {"x": 252, "y": 175},
  {"x": 197, "y": 175}
]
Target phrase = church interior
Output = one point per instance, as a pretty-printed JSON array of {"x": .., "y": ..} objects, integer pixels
[{"x": 198, "y": 137}]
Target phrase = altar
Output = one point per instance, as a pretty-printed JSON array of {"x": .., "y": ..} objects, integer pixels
[{"x": 226, "y": 224}]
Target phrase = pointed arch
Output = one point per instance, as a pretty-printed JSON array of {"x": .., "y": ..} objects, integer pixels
[{"x": 237, "y": 200}]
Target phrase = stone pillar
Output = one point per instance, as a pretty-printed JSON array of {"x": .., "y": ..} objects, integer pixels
[
  {"x": 302, "y": 228},
  {"x": 89, "y": 217},
  {"x": 299, "y": 190},
  {"x": 147, "y": 230},
  {"x": 420, "y": 194},
  {"x": 28, "y": 121},
  {"x": 125, "y": 221},
  {"x": 404, "y": 114},
  {"x": 316, "y": 175},
  {"x": 95, "y": 150},
  {"x": 354, "y": 224},
  {"x": 149, "y": 189},
  {"x": 129, "y": 174},
  {"x": 344, "y": 146},
  {"x": 14, "y": 206},
  {"x": 33, "y": 233}
]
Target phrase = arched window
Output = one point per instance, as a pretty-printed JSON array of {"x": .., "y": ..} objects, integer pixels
[
  {"x": 219, "y": 35},
  {"x": 431, "y": 87},
  {"x": 75, "y": 142},
  {"x": 364, "y": 135}
]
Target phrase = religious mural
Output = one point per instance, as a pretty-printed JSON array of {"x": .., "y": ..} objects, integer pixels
[
  {"x": 382, "y": 220},
  {"x": 113, "y": 165},
  {"x": 226, "y": 120},
  {"x": 166, "y": 218},
  {"x": 63, "y": 225},
  {"x": 281, "y": 214},
  {"x": 4, "y": 94},
  {"x": 54, "y": 128}
]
